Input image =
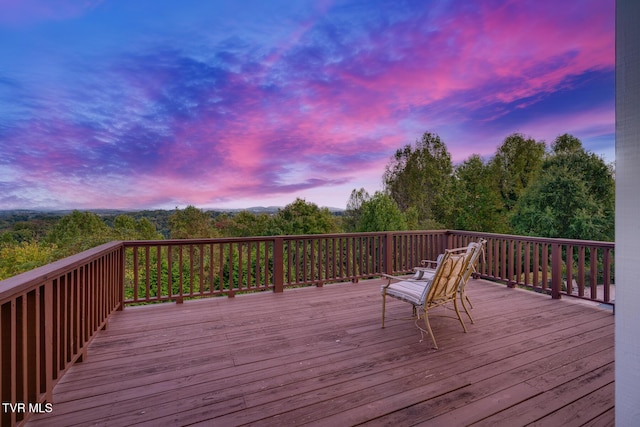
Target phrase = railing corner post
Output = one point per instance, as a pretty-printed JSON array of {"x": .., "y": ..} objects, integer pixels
[
  {"x": 448, "y": 240},
  {"x": 278, "y": 264},
  {"x": 123, "y": 267},
  {"x": 389, "y": 253},
  {"x": 556, "y": 271}
]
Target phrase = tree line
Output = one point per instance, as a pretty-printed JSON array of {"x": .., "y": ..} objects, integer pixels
[{"x": 525, "y": 189}]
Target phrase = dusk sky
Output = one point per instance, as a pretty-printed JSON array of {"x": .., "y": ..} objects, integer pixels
[{"x": 144, "y": 104}]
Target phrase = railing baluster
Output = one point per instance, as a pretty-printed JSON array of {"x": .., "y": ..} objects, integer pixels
[
  {"x": 14, "y": 356},
  {"x": 224, "y": 285},
  {"x": 606, "y": 274},
  {"x": 569, "y": 268},
  {"x": 545, "y": 266},
  {"x": 212, "y": 269},
  {"x": 23, "y": 343},
  {"x": 556, "y": 270},
  {"x": 593, "y": 272},
  {"x": 496, "y": 258},
  {"x": 536, "y": 264},
  {"x": 75, "y": 312},
  {"x": 33, "y": 332},
  {"x": 248, "y": 279},
  {"x": 508, "y": 261}
]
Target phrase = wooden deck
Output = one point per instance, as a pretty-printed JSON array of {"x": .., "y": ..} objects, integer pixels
[{"x": 318, "y": 356}]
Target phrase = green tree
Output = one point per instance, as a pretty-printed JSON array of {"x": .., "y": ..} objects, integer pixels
[
  {"x": 420, "y": 177},
  {"x": 381, "y": 213},
  {"x": 31, "y": 230},
  {"x": 77, "y": 232},
  {"x": 477, "y": 205},
  {"x": 301, "y": 217},
  {"x": 573, "y": 197},
  {"x": 24, "y": 256},
  {"x": 566, "y": 144},
  {"x": 515, "y": 166},
  {"x": 126, "y": 227},
  {"x": 351, "y": 217},
  {"x": 191, "y": 223},
  {"x": 243, "y": 224}
]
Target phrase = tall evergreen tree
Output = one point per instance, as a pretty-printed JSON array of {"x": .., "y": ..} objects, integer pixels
[
  {"x": 515, "y": 166},
  {"x": 352, "y": 214},
  {"x": 420, "y": 177},
  {"x": 477, "y": 205}
]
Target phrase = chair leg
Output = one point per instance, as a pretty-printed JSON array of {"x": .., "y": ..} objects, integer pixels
[
  {"x": 455, "y": 305},
  {"x": 464, "y": 297},
  {"x": 426, "y": 323},
  {"x": 468, "y": 300},
  {"x": 384, "y": 300}
]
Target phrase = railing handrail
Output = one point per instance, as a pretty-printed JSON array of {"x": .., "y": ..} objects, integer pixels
[
  {"x": 558, "y": 240},
  {"x": 196, "y": 241}
]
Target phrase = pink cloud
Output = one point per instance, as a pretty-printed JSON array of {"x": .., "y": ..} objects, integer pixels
[{"x": 482, "y": 47}]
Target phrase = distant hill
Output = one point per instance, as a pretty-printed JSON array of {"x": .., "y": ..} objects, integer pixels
[
  {"x": 31, "y": 213},
  {"x": 268, "y": 209},
  {"x": 158, "y": 217}
]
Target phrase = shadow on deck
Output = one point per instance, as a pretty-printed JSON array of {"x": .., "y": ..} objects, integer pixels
[{"x": 319, "y": 356}]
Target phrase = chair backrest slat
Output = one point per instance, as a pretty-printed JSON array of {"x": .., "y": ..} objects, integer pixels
[
  {"x": 476, "y": 249},
  {"x": 447, "y": 277}
]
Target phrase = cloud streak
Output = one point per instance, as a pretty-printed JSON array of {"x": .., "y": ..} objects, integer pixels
[{"x": 295, "y": 101}]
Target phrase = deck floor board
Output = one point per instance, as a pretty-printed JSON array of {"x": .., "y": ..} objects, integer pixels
[{"x": 317, "y": 356}]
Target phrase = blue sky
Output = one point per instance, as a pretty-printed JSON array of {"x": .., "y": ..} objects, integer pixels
[{"x": 226, "y": 104}]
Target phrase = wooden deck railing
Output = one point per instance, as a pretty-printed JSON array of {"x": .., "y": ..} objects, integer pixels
[
  {"x": 576, "y": 268},
  {"x": 163, "y": 270},
  {"x": 178, "y": 269},
  {"x": 49, "y": 315}
]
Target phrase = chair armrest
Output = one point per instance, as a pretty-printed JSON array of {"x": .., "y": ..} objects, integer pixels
[
  {"x": 462, "y": 249},
  {"x": 426, "y": 262},
  {"x": 400, "y": 279},
  {"x": 390, "y": 277}
]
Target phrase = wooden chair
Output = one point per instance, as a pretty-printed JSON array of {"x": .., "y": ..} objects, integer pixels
[
  {"x": 474, "y": 250},
  {"x": 425, "y": 295}
]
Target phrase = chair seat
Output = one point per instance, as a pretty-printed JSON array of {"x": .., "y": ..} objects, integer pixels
[{"x": 412, "y": 292}]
